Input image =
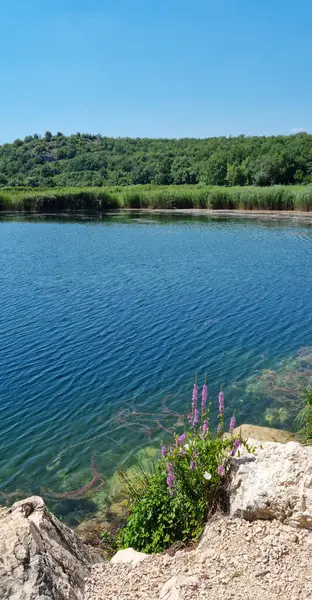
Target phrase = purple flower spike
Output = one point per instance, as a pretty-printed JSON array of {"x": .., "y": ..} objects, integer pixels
[
  {"x": 163, "y": 450},
  {"x": 204, "y": 397},
  {"x": 235, "y": 447},
  {"x": 221, "y": 403},
  {"x": 205, "y": 428},
  {"x": 192, "y": 465},
  {"x": 221, "y": 470},
  {"x": 232, "y": 424},
  {"x": 181, "y": 439},
  {"x": 170, "y": 478},
  {"x": 194, "y": 397},
  {"x": 196, "y": 417}
]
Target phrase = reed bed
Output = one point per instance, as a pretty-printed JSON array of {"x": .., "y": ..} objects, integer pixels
[{"x": 290, "y": 198}]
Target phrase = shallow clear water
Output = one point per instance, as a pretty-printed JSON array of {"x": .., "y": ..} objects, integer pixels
[{"x": 101, "y": 314}]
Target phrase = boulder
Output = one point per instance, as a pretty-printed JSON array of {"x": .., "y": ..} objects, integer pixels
[
  {"x": 128, "y": 556},
  {"x": 273, "y": 483},
  {"x": 40, "y": 557}
]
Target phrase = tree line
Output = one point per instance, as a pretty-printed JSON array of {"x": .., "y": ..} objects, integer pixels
[{"x": 93, "y": 160}]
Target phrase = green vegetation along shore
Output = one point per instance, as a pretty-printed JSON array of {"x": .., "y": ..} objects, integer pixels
[
  {"x": 92, "y": 172},
  {"x": 290, "y": 198},
  {"x": 83, "y": 160}
]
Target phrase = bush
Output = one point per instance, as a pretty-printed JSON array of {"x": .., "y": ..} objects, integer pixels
[
  {"x": 189, "y": 484},
  {"x": 158, "y": 520}
]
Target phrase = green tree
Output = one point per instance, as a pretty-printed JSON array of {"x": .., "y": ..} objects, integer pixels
[
  {"x": 216, "y": 170},
  {"x": 257, "y": 161},
  {"x": 299, "y": 176},
  {"x": 182, "y": 172},
  {"x": 235, "y": 175}
]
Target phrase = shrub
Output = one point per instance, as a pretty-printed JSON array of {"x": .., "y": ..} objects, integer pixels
[
  {"x": 158, "y": 520},
  {"x": 189, "y": 484}
]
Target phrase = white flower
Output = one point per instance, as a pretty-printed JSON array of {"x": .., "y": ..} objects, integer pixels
[
  {"x": 186, "y": 446},
  {"x": 207, "y": 475}
]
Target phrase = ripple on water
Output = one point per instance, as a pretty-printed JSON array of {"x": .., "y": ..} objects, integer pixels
[{"x": 120, "y": 314}]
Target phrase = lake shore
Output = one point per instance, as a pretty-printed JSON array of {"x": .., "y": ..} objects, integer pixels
[
  {"x": 268, "y": 215},
  {"x": 199, "y": 212}
]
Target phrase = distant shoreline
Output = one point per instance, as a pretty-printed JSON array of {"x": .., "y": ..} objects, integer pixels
[{"x": 269, "y": 215}]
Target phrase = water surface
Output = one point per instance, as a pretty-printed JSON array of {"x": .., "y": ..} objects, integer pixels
[{"x": 101, "y": 314}]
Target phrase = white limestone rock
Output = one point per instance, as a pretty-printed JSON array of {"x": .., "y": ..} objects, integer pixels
[
  {"x": 273, "y": 483},
  {"x": 128, "y": 556},
  {"x": 40, "y": 557}
]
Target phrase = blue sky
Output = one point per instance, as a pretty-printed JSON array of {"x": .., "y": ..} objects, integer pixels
[{"x": 158, "y": 68}]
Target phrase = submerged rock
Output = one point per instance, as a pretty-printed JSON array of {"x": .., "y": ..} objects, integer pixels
[
  {"x": 273, "y": 483},
  {"x": 263, "y": 434},
  {"x": 40, "y": 556}
]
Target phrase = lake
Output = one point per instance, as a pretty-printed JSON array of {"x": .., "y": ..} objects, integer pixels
[{"x": 106, "y": 320}]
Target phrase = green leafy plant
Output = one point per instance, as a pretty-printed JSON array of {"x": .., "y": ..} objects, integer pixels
[
  {"x": 157, "y": 520},
  {"x": 304, "y": 418},
  {"x": 108, "y": 543},
  {"x": 189, "y": 483}
]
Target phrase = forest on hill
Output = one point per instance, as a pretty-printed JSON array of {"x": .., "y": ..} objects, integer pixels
[{"x": 84, "y": 160}]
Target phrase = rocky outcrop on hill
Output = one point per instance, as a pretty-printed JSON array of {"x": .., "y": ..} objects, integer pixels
[
  {"x": 273, "y": 483},
  {"x": 39, "y": 556}
]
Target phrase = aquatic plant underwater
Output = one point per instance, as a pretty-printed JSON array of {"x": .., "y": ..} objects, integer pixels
[
  {"x": 283, "y": 388},
  {"x": 169, "y": 494},
  {"x": 170, "y": 499}
]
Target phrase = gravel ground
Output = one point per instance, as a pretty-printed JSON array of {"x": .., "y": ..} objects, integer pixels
[{"x": 235, "y": 560}]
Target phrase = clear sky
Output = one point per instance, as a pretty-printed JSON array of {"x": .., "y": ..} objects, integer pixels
[{"x": 158, "y": 68}]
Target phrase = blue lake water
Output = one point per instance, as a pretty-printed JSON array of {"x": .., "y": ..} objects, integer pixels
[{"x": 98, "y": 315}]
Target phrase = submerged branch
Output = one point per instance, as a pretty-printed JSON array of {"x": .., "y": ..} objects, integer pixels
[{"x": 84, "y": 489}]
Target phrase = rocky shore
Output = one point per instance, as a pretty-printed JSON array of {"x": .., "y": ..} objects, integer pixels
[
  {"x": 261, "y": 550},
  {"x": 236, "y": 559}
]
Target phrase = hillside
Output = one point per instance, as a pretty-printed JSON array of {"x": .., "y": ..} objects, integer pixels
[{"x": 93, "y": 160}]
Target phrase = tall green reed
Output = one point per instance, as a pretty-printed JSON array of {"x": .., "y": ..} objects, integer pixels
[{"x": 288, "y": 198}]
